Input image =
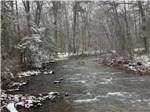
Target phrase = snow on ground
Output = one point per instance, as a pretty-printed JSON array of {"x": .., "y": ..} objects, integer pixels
[
  {"x": 138, "y": 49},
  {"x": 15, "y": 86},
  {"x": 63, "y": 56},
  {"x": 48, "y": 72},
  {"x": 28, "y": 73},
  {"x": 32, "y": 73},
  {"x": 11, "y": 107},
  {"x": 12, "y": 102},
  {"x": 144, "y": 59},
  {"x": 140, "y": 63},
  {"x": 19, "y": 83}
]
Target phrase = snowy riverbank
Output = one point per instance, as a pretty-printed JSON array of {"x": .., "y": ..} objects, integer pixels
[
  {"x": 139, "y": 64},
  {"x": 15, "y": 102}
]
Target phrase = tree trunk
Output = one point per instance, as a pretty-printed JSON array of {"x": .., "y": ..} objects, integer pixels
[
  {"x": 55, "y": 12},
  {"x": 74, "y": 25},
  {"x": 145, "y": 39},
  {"x": 68, "y": 31},
  {"x": 121, "y": 49},
  {"x": 38, "y": 12},
  {"x": 17, "y": 16},
  {"x": 28, "y": 17},
  {"x": 129, "y": 39}
]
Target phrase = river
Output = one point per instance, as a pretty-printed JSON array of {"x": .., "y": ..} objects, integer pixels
[{"x": 91, "y": 88}]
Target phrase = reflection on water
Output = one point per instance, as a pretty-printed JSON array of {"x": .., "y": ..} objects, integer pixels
[{"x": 93, "y": 89}]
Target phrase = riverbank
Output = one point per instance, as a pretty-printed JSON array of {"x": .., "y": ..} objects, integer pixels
[
  {"x": 138, "y": 65},
  {"x": 14, "y": 102}
]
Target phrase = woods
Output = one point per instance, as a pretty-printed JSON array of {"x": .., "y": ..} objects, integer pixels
[
  {"x": 33, "y": 31},
  {"x": 37, "y": 35}
]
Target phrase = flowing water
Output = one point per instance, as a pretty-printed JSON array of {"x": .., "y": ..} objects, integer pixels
[{"x": 92, "y": 88}]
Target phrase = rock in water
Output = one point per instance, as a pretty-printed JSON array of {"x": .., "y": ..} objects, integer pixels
[
  {"x": 61, "y": 79},
  {"x": 139, "y": 63},
  {"x": 67, "y": 94},
  {"x": 57, "y": 82},
  {"x": 51, "y": 72}
]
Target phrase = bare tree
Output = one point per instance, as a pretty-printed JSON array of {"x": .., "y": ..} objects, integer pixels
[
  {"x": 55, "y": 12},
  {"x": 144, "y": 28},
  {"x": 38, "y": 12},
  {"x": 28, "y": 17}
]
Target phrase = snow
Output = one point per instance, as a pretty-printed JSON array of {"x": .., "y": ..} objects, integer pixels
[
  {"x": 15, "y": 86},
  {"x": 114, "y": 51},
  {"x": 138, "y": 49},
  {"x": 52, "y": 93},
  {"x": 62, "y": 56},
  {"x": 24, "y": 101},
  {"x": 16, "y": 98},
  {"x": 28, "y": 73},
  {"x": 20, "y": 103},
  {"x": 19, "y": 83},
  {"x": 11, "y": 107},
  {"x": 16, "y": 89},
  {"x": 50, "y": 72},
  {"x": 132, "y": 68},
  {"x": 140, "y": 63},
  {"x": 144, "y": 59}
]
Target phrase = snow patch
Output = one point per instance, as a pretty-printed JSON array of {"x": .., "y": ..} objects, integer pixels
[
  {"x": 11, "y": 107},
  {"x": 50, "y": 72},
  {"x": 24, "y": 101},
  {"x": 19, "y": 83},
  {"x": 28, "y": 73},
  {"x": 62, "y": 56}
]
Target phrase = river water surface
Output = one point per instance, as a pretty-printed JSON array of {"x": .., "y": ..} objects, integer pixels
[{"x": 92, "y": 88}]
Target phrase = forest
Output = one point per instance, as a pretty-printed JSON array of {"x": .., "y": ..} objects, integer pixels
[{"x": 50, "y": 38}]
